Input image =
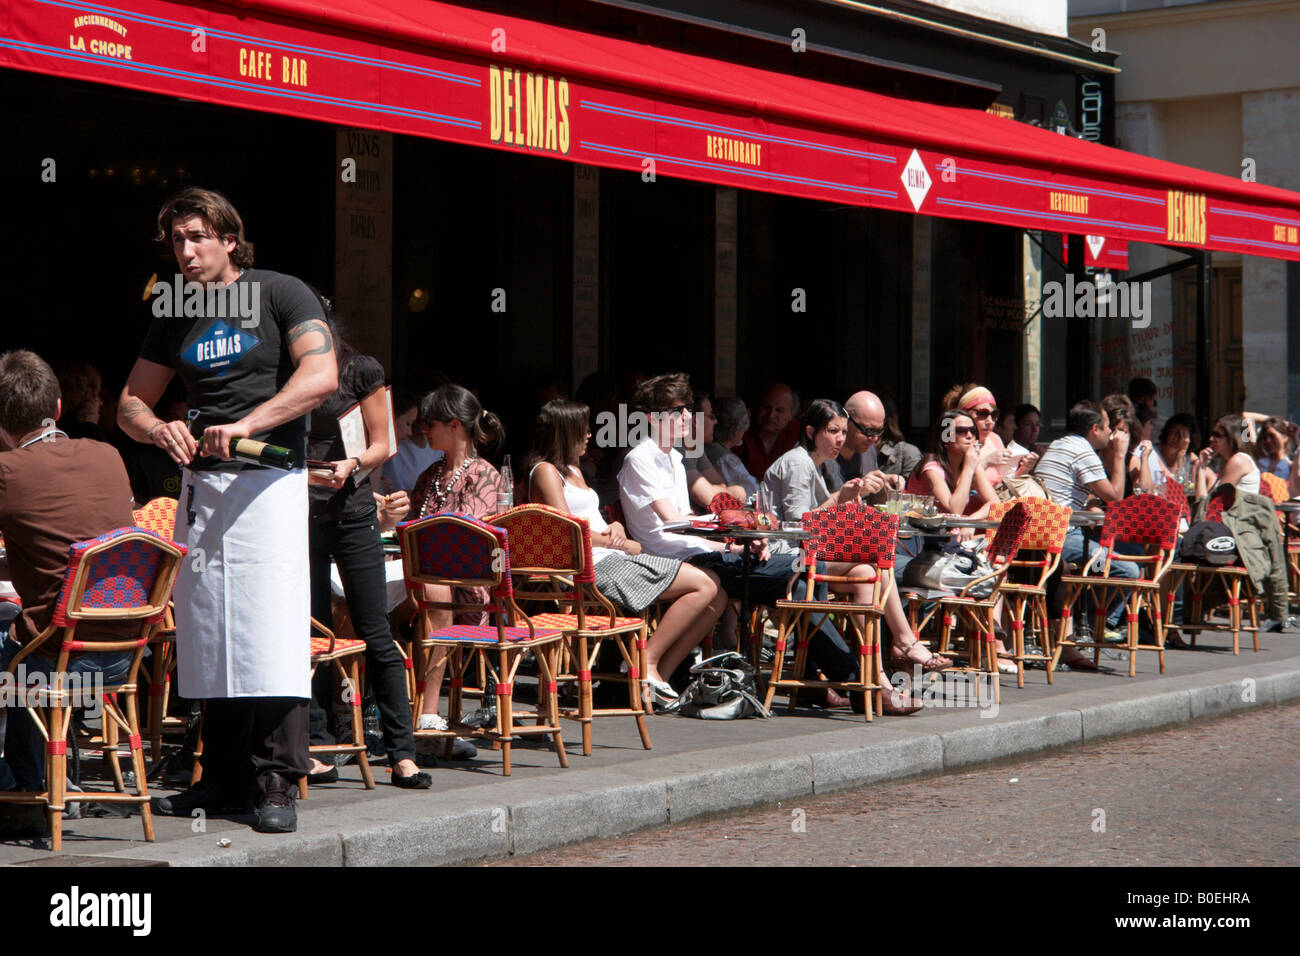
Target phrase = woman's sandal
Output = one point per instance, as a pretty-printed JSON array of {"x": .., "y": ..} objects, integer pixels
[{"x": 929, "y": 663}]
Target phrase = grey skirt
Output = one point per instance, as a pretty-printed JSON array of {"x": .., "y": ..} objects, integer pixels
[{"x": 634, "y": 582}]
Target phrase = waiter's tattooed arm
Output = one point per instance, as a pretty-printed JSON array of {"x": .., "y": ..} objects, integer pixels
[
  {"x": 315, "y": 377},
  {"x": 144, "y": 387}
]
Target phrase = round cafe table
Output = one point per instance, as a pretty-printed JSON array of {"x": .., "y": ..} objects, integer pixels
[
  {"x": 746, "y": 562},
  {"x": 1087, "y": 519}
]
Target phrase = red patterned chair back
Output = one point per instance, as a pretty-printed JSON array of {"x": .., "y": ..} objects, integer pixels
[
  {"x": 724, "y": 502},
  {"x": 1046, "y": 525},
  {"x": 1141, "y": 519},
  {"x": 1274, "y": 487},
  {"x": 851, "y": 532},
  {"x": 124, "y": 575},
  {"x": 457, "y": 550},
  {"x": 1013, "y": 524},
  {"x": 545, "y": 540},
  {"x": 158, "y": 516}
]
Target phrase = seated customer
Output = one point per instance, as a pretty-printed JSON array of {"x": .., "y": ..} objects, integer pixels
[
  {"x": 414, "y": 453},
  {"x": 652, "y": 487},
  {"x": 732, "y": 419},
  {"x": 951, "y": 473},
  {"x": 863, "y": 451},
  {"x": 703, "y": 477},
  {"x": 1029, "y": 421},
  {"x": 623, "y": 574},
  {"x": 1071, "y": 470},
  {"x": 54, "y": 492},
  {"x": 996, "y": 459},
  {"x": 796, "y": 486},
  {"x": 775, "y": 431},
  {"x": 1229, "y": 447}
]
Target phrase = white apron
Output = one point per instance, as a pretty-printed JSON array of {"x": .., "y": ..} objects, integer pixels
[{"x": 243, "y": 600}]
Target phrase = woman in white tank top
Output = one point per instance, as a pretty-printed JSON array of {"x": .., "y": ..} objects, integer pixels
[
  {"x": 1228, "y": 442},
  {"x": 623, "y": 574}
]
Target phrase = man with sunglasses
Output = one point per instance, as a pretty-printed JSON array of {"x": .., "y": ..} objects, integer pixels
[{"x": 879, "y": 464}]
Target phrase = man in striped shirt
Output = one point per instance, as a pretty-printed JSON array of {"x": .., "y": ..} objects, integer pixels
[{"x": 1072, "y": 470}]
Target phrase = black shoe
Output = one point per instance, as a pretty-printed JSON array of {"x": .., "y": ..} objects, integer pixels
[
  {"x": 412, "y": 781},
  {"x": 205, "y": 796},
  {"x": 20, "y": 820},
  {"x": 276, "y": 813},
  {"x": 483, "y": 717},
  {"x": 325, "y": 776}
]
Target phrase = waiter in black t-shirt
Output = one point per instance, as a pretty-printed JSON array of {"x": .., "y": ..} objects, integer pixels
[{"x": 256, "y": 355}]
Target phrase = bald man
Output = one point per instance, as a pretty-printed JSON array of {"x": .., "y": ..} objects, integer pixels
[
  {"x": 869, "y": 453},
  {"x": 774, "y": 432}
]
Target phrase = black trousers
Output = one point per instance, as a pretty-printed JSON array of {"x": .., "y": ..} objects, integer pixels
[
  {"x": 827, "y": 650},
  {"x": 352, "y": 541},
  {"x": 249, "y": 742}
]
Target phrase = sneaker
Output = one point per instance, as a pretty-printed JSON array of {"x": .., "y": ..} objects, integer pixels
[
  {"x": 433, "y": 722},
  {"x": 1112, "y": 636},
  {"x": 205, "y": 796},
  {"x": 276, "y": 813}
]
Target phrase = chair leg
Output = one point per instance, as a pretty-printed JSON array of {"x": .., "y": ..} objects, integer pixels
[
  {"x": 56, "y": 767},
  {"x": 778, "y": 660},
  {"x": 635, "y": 701},
  {"x": 1234, "y": 613},
  {"x": 138, "y": 765},
  {"x": 505, "y": 710},
  {"x": 585, "y": 706},
  {"x": 550, "y": 660},
  {"x": 108, "y": 731}
]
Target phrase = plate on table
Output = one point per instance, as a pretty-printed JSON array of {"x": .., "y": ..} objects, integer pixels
[{"x": 925, "y": 522}]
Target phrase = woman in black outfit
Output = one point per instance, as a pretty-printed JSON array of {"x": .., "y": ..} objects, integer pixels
[{"x": 345, "y": 528}]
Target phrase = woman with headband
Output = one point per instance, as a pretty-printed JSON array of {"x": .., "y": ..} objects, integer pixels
[{"x": 978, "y": 402}]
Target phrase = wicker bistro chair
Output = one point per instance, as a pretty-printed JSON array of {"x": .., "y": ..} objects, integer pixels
[
  {"x": 550, "y": 556},
  {"x": 457, "y": 550},
  {"x": 1147, "y": 520},
  {"x": 1026, "y": 599},
  {"x": 125, "y": 576},
  {"x": 853, "y": 533},
  {"x": 1277, "y": 489},
  {"x": 345, "y": 655},
  {"x": 977, "y": 614},
  {"x": 159, "y": 516},
  {"x": 721, "y": 502},
  {"x": 1199, "y": 580}
]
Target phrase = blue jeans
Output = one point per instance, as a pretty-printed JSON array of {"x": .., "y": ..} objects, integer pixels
[
  {"x": 23, "y": 764},
  {"x": 1076, "y": 547}
]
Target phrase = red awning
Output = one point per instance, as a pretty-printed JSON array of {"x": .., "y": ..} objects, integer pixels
[{"x": 468, "y": 76}]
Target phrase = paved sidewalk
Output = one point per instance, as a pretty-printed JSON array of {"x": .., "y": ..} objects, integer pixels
[{"x": 698, "y": 767}]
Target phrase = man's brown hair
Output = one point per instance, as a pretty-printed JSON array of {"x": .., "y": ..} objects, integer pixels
[
  {"x": 215, "y": 210},
  {"x": 663, "y": 392},
  {"x": 29, "y": 392}
]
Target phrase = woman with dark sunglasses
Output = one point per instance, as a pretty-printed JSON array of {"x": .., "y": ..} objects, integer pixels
[
  {"x": 951, "y": 473},
  {"x": 1230, "y": 445}
]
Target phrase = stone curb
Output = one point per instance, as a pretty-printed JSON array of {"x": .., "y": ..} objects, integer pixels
[{"x": 477, "y": 824}]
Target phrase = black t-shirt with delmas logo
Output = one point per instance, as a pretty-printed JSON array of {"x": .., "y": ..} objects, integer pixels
[{"x": 236, "y": 355}]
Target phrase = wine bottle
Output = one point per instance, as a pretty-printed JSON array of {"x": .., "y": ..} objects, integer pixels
[
  {"x": 253, "y": 452},
  {"x": 260, "y": 453}
]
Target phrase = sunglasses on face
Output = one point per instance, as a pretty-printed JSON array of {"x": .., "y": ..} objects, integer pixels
[
  {"x": 678, "y": 409},
  {"x": 986, "y": 413},
  {"x": 966, "y": 430},
  {"x": 1218, "y": 434},
  {"x": 867, "y": 432}
]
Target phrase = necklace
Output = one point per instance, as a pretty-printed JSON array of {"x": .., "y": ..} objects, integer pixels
[{"x": 437, "y": 494}]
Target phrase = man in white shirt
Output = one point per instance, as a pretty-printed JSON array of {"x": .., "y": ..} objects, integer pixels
[
  {"x": 1071, "y": 470},
  {"x": 653, "y": 492}
]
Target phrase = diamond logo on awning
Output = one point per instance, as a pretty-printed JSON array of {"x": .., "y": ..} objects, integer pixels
[{"x": 916, "y": 180}]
